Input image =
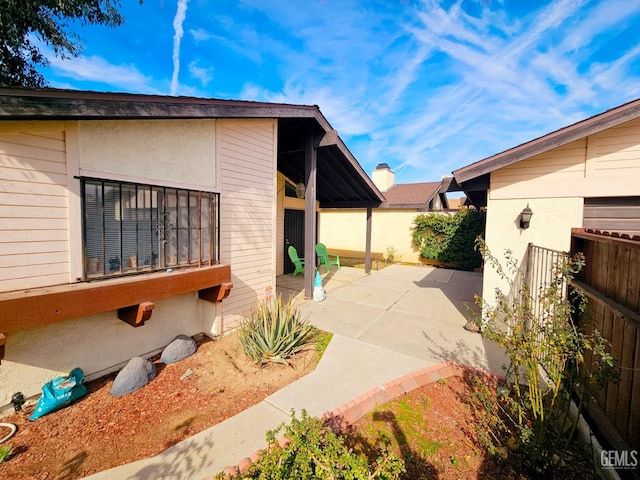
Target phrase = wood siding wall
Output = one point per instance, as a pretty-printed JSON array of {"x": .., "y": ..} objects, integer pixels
[
  {"x": 246, "y": 151},
  {"x": 606, "y": 164},
  {"x": 34, "y": 223},
  {"x": 611, "y": 281}
]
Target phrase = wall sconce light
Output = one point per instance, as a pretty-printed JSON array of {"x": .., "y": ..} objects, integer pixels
[
  {"x": 525, "y": 217},
  {"x": 300, "y": 190}
]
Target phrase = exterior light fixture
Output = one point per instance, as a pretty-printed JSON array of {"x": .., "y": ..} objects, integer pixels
[
  {"x": 525, "y": 217},
  {"x": 300, "y": 190}
]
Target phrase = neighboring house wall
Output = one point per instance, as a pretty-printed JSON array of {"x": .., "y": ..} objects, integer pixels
[
  {"x": 390, "y": 228},
  {"x": 554, "y": 184},
  {"x": 38, "y": 162}
]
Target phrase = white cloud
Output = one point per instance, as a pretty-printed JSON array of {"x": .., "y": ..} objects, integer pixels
[
  {"x": 178, "y": 21},
  {"x": 203, "y": 74},
  {"x": 97, "y": 69}
]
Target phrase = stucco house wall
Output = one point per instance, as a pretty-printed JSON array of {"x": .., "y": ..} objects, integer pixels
[
  {"x": 555, "y": 184},
  {"x": 345, "y": 230},
  {"x": 41, "y": 233}
]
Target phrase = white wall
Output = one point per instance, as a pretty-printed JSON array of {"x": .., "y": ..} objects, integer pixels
[{"x": 550, "y": 227}]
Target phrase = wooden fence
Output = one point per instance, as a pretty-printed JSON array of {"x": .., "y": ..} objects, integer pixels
[{"x": 611, "y": 282}]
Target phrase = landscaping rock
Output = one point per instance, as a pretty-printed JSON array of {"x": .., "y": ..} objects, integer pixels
[
  {"x": 181, "y": 347},
  {"x": 135, "y": 375}
]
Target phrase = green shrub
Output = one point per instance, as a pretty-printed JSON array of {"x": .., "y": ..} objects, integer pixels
[
  {"x": 5, "y": 453},
  {"x": 314, "y": 451},
  {"x": 450, "y": 238},
  {"x": 275, "y": 331},
  {"x": 546, "y": 353}
]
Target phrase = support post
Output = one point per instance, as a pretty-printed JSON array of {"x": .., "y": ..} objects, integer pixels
[
  {"x": 367, "y": 254},
  {"x": 310, "y": 170}
]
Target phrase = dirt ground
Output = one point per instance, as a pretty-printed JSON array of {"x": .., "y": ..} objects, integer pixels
[
  {"x": 433, "y": 429},
  {"x": 101, "y": 431}
]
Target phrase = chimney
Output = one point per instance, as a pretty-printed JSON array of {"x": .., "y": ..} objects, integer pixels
[{"x": 383, "y": 177}]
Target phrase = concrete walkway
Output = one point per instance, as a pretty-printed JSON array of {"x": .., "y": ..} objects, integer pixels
[{"x": 386, "y": 325}]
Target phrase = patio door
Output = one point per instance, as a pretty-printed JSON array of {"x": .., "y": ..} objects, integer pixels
[{"x": 293, "y": 235}]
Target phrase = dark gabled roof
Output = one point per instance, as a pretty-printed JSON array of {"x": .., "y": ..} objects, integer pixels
[
  {"x": 411, "y": 195},
  {"x": 341, "y": 181},
  {"x": 597, "y": 123}
]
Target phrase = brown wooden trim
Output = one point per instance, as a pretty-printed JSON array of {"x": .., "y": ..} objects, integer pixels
[
  {"x": 136, "y": 315},
  {"x": 605, "y": 237},
  {"x": 215, "y": 294},
  {"x": 43, "y": 306}
]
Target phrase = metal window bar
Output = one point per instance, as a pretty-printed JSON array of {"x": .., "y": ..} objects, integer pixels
[{"x": 213, "y": 204}]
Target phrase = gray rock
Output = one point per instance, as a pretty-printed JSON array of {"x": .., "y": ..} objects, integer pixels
[
  {"x": 181, "y": 347},
  {"x": 135, "y": 374}
]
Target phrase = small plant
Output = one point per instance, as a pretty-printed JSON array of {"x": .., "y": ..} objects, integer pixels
[
  {"x": 546, "y": 361},
  {"x": 392, "y": 255},
  {"x": 314, "y": 451},
  {"x": 5, "y": 453},
  {"x": 275, "y": 331}
]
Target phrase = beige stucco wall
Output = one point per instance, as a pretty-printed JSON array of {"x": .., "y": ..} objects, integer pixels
[
  {"x": 235, "y": 158},
  {"x": 179, "y": 152},
  {"x": 550, "y": 227},
  {"x": 97, "y": 344},
  {"x": 347, "y": 229}
]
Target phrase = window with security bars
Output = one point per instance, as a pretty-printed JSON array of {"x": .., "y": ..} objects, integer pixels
[{"x": 130, "y": 228}]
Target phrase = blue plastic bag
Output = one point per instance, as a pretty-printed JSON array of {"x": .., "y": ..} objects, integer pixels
[{"x": 59, "y": 392}]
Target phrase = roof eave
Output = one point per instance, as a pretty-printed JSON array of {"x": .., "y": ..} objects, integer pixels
[{"x": 597, "y": 123}]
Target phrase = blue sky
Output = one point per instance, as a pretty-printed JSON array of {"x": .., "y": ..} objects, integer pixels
[{"x": 422, "y": 85}]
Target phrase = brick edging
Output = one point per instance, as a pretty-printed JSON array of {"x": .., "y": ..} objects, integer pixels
[{"x": 347, "y": 414}]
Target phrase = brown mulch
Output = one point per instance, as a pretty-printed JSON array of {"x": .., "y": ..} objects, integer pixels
[{"x": 101, "y": 431}]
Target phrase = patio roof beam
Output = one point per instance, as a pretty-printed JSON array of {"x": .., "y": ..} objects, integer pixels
[{"x": 310, "y": 226}]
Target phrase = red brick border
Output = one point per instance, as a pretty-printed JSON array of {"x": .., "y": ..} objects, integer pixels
[{"x": 347, "y": 414}]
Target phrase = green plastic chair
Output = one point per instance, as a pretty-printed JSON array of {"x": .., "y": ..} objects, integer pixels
[
  {"x": 298, "y": 262},
  {"x": 323, "y": 256}
]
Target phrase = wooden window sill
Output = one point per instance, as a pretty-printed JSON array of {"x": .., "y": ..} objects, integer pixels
[{"x": 132, "y": 296}]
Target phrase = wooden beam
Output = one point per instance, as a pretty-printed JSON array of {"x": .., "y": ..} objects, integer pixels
[
  {"x": 310, "y": 170},
  {"x": 43, "y": 306},
  {"x": 328, "y": 139},
  {"x": 136, "y": 315},
  {"x": 215, "y": 294}
]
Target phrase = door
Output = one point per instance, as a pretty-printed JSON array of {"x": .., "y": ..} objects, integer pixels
[{"x": 293, "y": 235}]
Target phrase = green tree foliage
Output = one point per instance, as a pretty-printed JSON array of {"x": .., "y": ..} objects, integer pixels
[
  {"x": 450, "y": 238},
  {"x": 24, "y": 24}
]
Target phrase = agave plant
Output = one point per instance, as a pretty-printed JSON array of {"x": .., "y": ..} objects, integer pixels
[{"x": 275, "y": 331}]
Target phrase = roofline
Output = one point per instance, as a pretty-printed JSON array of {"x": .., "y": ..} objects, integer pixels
[
  {"x": 356, "y": 165},
  {"x": 597, "y": 123},
  {"x": 27, "y": 104},
  {"x": 424, "y": 204}
]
